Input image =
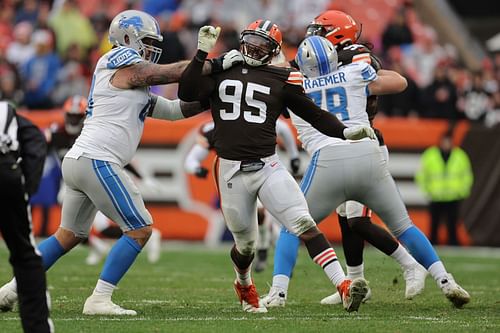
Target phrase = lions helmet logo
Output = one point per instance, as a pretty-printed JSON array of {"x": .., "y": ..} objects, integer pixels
[{"x": 134, "y": 21}]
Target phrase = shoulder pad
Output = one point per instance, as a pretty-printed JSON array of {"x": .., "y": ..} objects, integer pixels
[{"x": 122, "y": 56}]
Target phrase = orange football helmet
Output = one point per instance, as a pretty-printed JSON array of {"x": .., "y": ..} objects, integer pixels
[
  {"x": 336, "y": 26},
  {"x": 74, "y": 114},
  {"x": 260, "y": 42}
]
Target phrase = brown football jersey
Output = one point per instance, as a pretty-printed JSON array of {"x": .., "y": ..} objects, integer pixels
[{"x": 246, "y": 102}]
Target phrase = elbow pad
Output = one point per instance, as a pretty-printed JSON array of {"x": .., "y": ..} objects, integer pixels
[{"x": 166, "y": 109}]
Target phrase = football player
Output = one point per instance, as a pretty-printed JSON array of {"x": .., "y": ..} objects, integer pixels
[
  {"x": 245, "y": 102},
  {"x": 200, "y": 150},
  {"x": 118, "y": 104},
  {"x": 360, "y": 168},
  {"x": 354, "y": 218}
]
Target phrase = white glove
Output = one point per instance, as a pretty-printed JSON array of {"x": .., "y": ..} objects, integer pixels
[
  {"x": 231, "y": 58},
  {"x": 359, "y": 132},
  {"x": 207, "y": 36}
]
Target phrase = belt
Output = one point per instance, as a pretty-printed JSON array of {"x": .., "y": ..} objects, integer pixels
[{"x": 251, "y": 165}]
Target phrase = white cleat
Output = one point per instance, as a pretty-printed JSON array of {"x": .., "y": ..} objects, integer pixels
[
  {"x": 415, "y": 280},
  {"x": 335, "y": 298},
  {"x": 275, "y": 298},
  {"x": 8, "y": 297},
  {"x": 456, "y": 294},
  {"x": 102, "y": 305},
  {"x": 153, "y": 246}
]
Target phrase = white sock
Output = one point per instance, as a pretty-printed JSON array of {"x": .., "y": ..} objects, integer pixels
[
  {"x": 335, "y": 272},
  {"x": 244, "y": 277},
  {"x": 356, "y": 271},
  {"x": 103, "y": 288},
  {"x": 281, "y": 281},
  {"x": 437, "y": 271},
  {"x": 403, "y": 257}
]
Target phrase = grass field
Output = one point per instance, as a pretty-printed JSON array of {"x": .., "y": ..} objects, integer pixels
[{"x": 190, "y": 290}]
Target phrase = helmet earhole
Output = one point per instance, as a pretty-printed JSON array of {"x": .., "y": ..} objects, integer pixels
[{"x": 126, "y": 39}]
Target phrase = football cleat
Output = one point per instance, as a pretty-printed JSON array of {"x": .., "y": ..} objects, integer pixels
[
  {"x": 275, "y": 298},
  {"x": 353, "y": 292},
  {"x": 415, "y": 280},
  {"x": 336, "y": 299},
  {"x": 249, "y": 298},
  {"x": 8, "y": 297},
  {"x": 102, "y": 305},
  {"x": 456, "y": 294}
]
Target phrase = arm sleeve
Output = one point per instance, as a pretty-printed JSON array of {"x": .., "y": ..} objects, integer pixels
[
  {"x": 192, "y": 83},
  {"x": 305, "y": 108},
  {"x": 33, "y": 153},
  {"x": 194, "y": 158},
  {"x": 284, "y": 132}
]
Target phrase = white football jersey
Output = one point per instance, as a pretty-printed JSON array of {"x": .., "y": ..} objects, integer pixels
[
  {"x": 115, "y": 117},
  {"x": 342, "y": 93}
]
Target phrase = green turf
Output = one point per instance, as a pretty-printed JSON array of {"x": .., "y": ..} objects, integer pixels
[{"x": 190, "y": 290}]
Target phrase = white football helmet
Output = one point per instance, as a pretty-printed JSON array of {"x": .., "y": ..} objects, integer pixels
[
  {"x": 316, "y": 56},
  {"x": 130, "y": 27}
]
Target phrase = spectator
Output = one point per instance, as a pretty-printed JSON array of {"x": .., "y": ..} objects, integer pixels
[
  {"x": 440, "y": 98},
  {"x": 71, "y": 78},
  {"x": 68, "y": 23},
  {"x": 9, "y": 88},
  {"x": 397, "y": 32},
  {"x": 20, "y": 50},
  {"x": 404, "y": 104},
  {"x": 27, "y": 12},
  {"x": 476, "y": 102},
  {"x": 424, "y": 56},
  {"x": 39, "y": 74},
  {"x": 445, "y": 176},
  {"x": 173, "y": 49}
]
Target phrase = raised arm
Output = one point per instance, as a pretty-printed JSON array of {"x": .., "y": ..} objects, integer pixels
[
  {"x": 190, "y": 84},
  {"x": 145, "y": 74}
]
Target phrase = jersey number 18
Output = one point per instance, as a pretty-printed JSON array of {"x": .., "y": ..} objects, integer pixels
[{"x": 336, "y": 101}]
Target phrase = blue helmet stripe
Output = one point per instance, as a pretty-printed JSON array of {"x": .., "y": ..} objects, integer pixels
[{"x": 321, "y": 56}]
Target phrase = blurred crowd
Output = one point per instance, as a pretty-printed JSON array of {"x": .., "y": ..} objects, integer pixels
[{"x": 48, "y": 49}]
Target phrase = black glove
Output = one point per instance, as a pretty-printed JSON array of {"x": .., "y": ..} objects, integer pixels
[
  {"x": 295, "y": 165},
  {"x": 201, "y": 172}
]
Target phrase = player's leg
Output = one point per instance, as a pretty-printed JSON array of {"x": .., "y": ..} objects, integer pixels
[
  {"x": 353, "y": 245},
  {"x": 281, "y": 195},
  {"x": 238, "y": 200},
  {"x": 15, "y": 228},
  {"x": 117, "y": 197},
  {"x": 264, "y": 239},
  {"x": 384, "y": 198},
  {"x": 286, "y": 252},
  {"x": 360, "y": 223},
  {"x": 77, "y": 214}
]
